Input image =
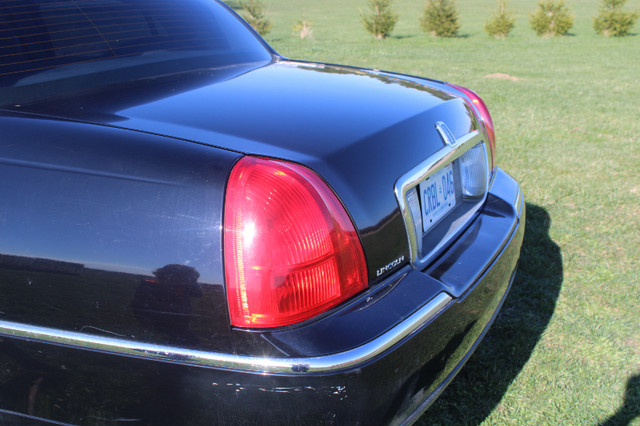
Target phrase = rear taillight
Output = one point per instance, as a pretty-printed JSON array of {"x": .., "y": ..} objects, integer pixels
[
  {"x": 290, "y": 250},
  {"x": 481, "y": 111}
]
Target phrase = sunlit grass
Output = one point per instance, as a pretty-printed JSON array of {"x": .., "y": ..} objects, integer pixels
[{"x": 566, "y": 348}]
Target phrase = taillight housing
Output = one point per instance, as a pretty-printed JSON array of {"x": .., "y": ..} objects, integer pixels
[
  {"x": 482, "y": 112},
  {"x": 291, "y": 251}
]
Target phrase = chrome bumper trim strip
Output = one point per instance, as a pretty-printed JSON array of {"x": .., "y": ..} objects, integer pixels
[{"x": 327, "y": 363}]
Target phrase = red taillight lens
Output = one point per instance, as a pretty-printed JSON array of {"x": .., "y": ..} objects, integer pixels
[
  {"x": 290, "y": 249},
  {"x": 482, "y": 112}
]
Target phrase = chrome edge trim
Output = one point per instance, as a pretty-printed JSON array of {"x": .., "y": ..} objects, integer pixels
[
  {"x": 33, "y": 420},
  {"x": 423, "y": 170},
  {"x": 297, "y": 366},
  {"x": 517, "y": 204}
]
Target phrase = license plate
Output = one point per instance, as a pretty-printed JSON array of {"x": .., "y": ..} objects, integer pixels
[{"x": 438, "y": 196}]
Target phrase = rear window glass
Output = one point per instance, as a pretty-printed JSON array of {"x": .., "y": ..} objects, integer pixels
[{"x": 49, "y": 40}]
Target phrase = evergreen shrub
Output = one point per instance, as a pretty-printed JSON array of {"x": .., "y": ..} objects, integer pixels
[
  {"x": 613, "y": 22},
  {"x": 501, "y": 23},
  {"x": 381, "y": 19},
  {"x": 440, "y": 18},
  {"x": 552, "y": 18},
  {"x": 253, "y": 13},
  {"x": 303, "y": 28}
]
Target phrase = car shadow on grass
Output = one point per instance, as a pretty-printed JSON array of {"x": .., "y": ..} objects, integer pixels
[
  {"x": 630, "y": 409},
  {"x": 508, "y": 345}
]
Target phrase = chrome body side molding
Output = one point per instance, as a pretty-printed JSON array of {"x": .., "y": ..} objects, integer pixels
[{"x": 327, "y": 363}]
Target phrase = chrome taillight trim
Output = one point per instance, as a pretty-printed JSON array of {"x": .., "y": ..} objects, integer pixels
[
  {"x": 328, "y": 363},
  {"x": 446, "y": 155}
]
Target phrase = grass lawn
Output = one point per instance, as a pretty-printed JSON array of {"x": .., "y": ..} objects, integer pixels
[{"x": 566, "y": 347}]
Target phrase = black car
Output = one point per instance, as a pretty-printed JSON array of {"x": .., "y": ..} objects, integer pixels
[{"x": 194, "y": 229}]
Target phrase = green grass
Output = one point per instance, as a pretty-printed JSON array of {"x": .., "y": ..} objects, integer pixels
[{"x": 566, "y": 347}]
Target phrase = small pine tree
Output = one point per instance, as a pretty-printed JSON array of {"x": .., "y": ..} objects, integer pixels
[
  {"x": 502, "y": 22},
  {"x": 254, "y": 15},
  {"x": 440, "y": 18},
  {"x": 551, "y": 19},
  {"x": 303, "y": 28},
  {"x": 613, "y": 22},
  {"x": 381, "y": 20}
]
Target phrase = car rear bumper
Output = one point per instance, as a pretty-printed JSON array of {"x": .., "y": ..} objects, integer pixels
[{"x": 441, "y": 314}]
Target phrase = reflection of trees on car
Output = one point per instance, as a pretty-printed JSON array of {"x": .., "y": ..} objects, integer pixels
[{"x": 164, "y": 303}]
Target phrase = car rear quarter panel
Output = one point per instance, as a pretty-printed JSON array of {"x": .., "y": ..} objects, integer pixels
[{"x": 90, "y": 212}]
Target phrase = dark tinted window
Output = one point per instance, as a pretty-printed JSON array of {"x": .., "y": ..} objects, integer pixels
[{"x": 51, "y": 40}]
